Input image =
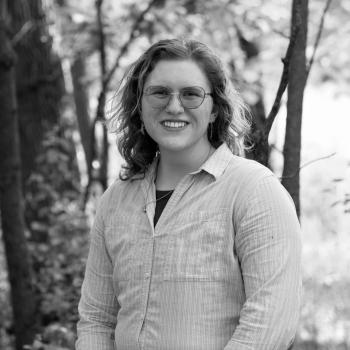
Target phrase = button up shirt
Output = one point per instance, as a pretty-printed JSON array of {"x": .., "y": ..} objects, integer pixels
[{"x": 220, "y": 270}]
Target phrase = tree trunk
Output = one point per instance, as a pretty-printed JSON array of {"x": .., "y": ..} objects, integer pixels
[
  {"x": 103, "y": 174},
  {"x": 297, "y": 80},
  {"x": 82, "y": 105},
  {"x": 40, "y": 87},
  {"x": 11, "y": 200},
  {"x": 39, "y": 79}
]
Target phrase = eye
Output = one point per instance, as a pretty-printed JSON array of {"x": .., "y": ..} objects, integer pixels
[
  {"x": 192, "y": 92},
  {"x": 157, "y": 91}
]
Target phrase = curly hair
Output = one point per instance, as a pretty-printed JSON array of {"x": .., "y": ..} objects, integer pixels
[{"x": 231, "y": 124}]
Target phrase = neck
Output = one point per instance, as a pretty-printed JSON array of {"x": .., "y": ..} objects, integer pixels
[{"x": 173, "y": 166}]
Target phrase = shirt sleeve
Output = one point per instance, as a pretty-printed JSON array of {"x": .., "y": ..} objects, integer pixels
[
  {"x": 98, "y": 306},
  {"x": 268, "y": 246}
]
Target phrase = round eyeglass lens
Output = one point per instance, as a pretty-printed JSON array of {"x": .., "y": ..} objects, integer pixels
[
  {"x": 157, "y": 96},
  {"x": 192, "y": 97}
]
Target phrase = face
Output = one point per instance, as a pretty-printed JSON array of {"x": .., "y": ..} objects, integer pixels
[{"x": 175, "y": 128}]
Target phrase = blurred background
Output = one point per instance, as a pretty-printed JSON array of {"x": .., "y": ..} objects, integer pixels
[{"x": 61, "y": 62}]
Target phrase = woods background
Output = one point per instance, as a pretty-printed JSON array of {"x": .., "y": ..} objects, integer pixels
[{"x": 61, "y": 62}]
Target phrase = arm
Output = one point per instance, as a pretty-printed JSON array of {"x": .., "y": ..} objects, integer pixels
[
  {"x": 98, "y": 306},
  {"x": 269, "y": 249}
]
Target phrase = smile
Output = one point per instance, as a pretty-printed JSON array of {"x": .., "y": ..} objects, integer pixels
[{"x": 174, "y": 125}]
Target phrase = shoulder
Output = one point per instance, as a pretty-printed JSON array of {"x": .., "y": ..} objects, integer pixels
[
  {"x": 246, "y": 173},
  {"x": 256, "y": 185},
  {"x": 112, "y": 190},
  {"x": 114, "y": 195},
  {"x": 235, "y": 169}
]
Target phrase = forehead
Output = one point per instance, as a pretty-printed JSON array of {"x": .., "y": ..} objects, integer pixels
[{"x": 177, "y": 74}]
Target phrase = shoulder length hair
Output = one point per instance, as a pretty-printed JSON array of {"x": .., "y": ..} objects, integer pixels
[{"x": 231, "y": 124}]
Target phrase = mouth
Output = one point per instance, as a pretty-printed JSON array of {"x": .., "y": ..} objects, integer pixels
[{"x": 174, "y": 125}]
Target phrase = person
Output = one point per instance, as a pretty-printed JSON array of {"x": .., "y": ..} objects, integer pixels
[{"x": 195, "y": 246}]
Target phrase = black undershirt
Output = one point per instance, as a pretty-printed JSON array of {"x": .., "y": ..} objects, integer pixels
[{"x": 162, "y": 198}]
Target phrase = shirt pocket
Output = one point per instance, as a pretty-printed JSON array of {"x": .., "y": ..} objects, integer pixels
[{"x": 200, "y": 247}]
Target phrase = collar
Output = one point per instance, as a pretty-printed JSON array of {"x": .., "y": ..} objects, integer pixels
[{"x": 216, "y": 164}]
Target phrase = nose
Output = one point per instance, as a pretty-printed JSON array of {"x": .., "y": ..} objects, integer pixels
[{"x": 174, "y": 106}]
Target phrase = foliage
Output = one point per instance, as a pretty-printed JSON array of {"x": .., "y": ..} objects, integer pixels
[
  {"x": 57, "y": 240},
  {"x": 58, "y": 237},
  {"x": 58, "y": 230},
  {"x": 54, "y": 337}
]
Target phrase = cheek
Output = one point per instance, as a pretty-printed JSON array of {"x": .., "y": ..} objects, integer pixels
[
  {"x": 208, "y": 107},
  {"x": 143, "y": 109},
  {"x": 148, "y": 113},
  {"x": 207, "y": 114}
]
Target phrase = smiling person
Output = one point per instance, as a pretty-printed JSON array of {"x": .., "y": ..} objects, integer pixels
[{"x": 194, "y": 247}]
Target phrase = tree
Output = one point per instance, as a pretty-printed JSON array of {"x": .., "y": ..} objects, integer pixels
[
  {"x": 11, "y": 199},
  {"x": 78, "y": 55},
  {"x": 39, "y": 78},
  {"x": 78, "y": 72},
  {"x": 106, "y": 76},
  {"x": 297, "y": 80}
]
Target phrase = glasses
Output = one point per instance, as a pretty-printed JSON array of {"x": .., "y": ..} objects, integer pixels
[{"x": 190, "y": 97}]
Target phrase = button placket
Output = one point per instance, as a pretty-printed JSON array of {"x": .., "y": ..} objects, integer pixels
[
  {"x": 146, "y": 290},
  {"x": 148, "y": 273}
]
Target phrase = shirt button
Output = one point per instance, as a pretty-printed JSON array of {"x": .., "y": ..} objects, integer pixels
[{"x": 147, "y": 275}]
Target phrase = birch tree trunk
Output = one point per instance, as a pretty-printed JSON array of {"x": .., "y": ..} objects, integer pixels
[{"x": 297, "y": 80}]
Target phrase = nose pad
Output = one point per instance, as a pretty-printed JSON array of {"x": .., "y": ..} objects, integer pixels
[{"x": 174, "y": 105}]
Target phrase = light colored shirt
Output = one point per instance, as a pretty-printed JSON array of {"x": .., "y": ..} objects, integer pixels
[{"x": 220, "y": 271}]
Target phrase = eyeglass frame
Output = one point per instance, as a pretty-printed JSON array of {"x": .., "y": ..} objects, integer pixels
[{"x": 178, "y": 95}]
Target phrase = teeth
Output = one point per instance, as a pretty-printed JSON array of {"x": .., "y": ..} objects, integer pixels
[{"x": 169, "y": 124}]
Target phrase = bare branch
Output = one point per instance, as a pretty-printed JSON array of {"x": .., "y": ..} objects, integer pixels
[
  {"x": 336, "y": 203},
  {"x": 280, "y": 33},
  {"x": 125, "y": 47},
  {"x": 306, "y": 164},
  {"x": 106, "y": 78},
  {"x": 103, "y": 64},
  {"x": 22, "y": 32},
  {"x": 162, "y": 21},
  {"x": 101, "y": 98},
  {"x": 317, "y": 159},
  {"x": 284, "y": 78},
  {"x": 101, "y": 35},
  {"x": 318, "y": 38}
]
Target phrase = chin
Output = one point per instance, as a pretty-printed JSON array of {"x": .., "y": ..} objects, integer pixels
[{"x": 173, "y": 146}]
